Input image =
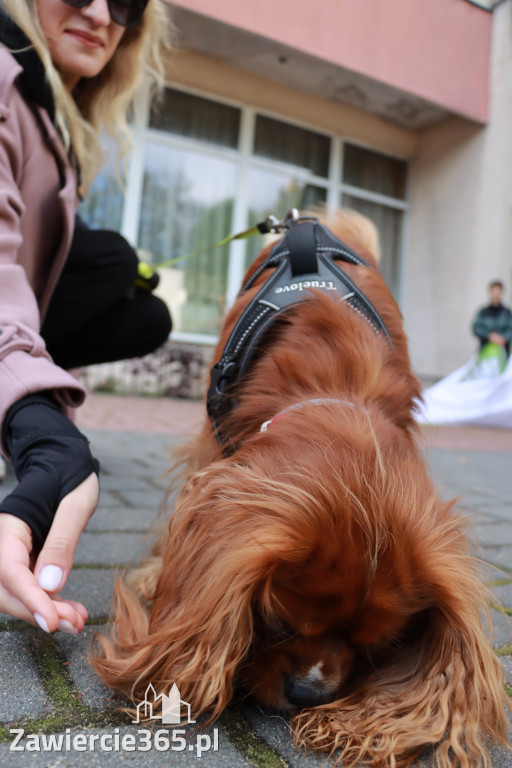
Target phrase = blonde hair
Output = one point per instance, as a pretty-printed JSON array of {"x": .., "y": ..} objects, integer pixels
[{"x": 102, "y": 102}]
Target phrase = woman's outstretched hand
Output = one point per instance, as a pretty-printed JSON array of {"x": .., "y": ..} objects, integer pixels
[{"x": 29, "y": 587}]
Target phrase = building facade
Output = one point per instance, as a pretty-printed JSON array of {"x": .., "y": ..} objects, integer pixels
[{"x": 400, "y": 109}]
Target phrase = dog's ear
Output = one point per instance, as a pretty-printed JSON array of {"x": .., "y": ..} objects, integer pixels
[
  {"x": 200, "y": 621},
  {"x": 443, "y": 685}
]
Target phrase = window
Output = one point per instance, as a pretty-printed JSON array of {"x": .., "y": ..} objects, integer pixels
[
  {"x": 202, "y": 169},
  {"x": 375, "y": 185},
  {"x": 103, "y": 207}
]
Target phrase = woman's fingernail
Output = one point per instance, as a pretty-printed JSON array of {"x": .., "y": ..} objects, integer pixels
[
  {"x": 66, "y": 626},
  {"x": 50, "y": 577},
  {"x": 42, "y": 622}
]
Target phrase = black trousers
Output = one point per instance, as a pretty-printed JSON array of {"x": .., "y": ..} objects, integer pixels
[{"x": 95, "y": 314}]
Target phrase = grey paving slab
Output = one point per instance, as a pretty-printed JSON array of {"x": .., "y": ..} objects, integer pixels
[
  {"x": 121, "y": 451},
  {"x": 111, "y": 485},
  {"x": 21, "y": 693},
  {"x": 507, "y": 663},
  {"x": 120, "y": 518},
  {"x": 92, "y": 587},
  {"x": 274, "y": 730},
  {"x": 498, "y": 555},
  {"x": 501, "y": 629},
  {"x": 141, "y": 498},
  {"x": 497, "y": 533},
  {"x": 226, "y": 756},
  {"x": 75, "y": 648},
  {"x": 503, "y": 595},
  {"x": 483, "y": 477},
  {"x": 112, "y": 548}
]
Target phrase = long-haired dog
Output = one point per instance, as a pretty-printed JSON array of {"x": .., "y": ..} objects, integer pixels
[{"x": 312, "y": 564}]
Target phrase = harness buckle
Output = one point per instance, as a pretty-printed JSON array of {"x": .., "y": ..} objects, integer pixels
[{"x": 221, "y": 373}]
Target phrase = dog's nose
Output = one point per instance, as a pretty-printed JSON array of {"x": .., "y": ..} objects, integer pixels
[{"x": 306, "y": 693}]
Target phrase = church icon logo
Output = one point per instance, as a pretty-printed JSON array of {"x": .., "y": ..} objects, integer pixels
[{"x": 171, "y": 707}]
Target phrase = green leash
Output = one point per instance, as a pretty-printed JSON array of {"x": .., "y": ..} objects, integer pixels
[{"x": 148, "y": 279}]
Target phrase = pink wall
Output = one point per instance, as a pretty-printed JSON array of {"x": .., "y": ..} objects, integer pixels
[{"x": 436, "y": 49}]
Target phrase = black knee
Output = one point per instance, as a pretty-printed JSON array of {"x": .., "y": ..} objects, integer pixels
[
  {"x": 155, "y": 326},
  {"x": 103, "y": 257}
]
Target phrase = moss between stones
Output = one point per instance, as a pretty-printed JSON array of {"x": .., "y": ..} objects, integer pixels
[
  {"x": 499, "y": 582},
  {"x": 501, "y": 608},
  {"x": 247, "y": 743},
  {"x": 70, "y": 712},
  {"x": 54, "y": 678},
  {"x": 12, "y": 625}
]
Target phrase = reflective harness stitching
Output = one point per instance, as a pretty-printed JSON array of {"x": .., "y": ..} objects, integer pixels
[
  {"x": 248, "y": 330},
  {"x": 362, "y": 314},
  {"x": 304, "y": 259}
]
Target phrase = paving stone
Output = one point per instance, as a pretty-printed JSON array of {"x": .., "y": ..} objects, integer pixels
[
  {"x": 92, "y": 587},
  {"x": 21, "y": 693},
  {"x": 498, "y": 555},
  {"x": 274, "y": 730},
  {"x": 141, "y": 499},
  {"x": 507, "y": 663},
  {"x": 122, "y": 518},
  {"x": 494, "y": 534},
  {"x": 501, "y": 629},
  {"x": 227, "y": 756},
  {"x": 503, "y": 595},
  {"x": 112, "y": 548},
  {"x": 75, "y": 648}
]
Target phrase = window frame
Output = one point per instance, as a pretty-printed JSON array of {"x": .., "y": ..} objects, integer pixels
[{"x": 245, "y": 160}]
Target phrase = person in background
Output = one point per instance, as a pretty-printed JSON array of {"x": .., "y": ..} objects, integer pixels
[
  {"x": 493, "y": 323},
  {"x": 69, "y": 69}
]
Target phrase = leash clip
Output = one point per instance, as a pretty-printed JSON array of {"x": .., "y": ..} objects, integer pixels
[{"x": 274, "y": 225}]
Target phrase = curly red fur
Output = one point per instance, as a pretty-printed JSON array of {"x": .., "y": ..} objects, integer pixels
[{"x": 319, "y": 558}]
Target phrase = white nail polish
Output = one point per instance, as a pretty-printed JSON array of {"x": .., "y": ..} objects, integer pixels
[
  {"x": 42, "y": 622},
  {"x": 50, "y": 578},
  {"x": 66, "y": 626}
]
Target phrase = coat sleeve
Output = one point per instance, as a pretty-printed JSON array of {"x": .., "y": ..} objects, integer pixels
[
  {"x": 25, "y": 365},
  {"x": 507, "y": 330},
  {"x": 481, "y": 327}
]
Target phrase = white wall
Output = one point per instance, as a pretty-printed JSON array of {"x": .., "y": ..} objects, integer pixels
[{"x": 460, "y": 227}]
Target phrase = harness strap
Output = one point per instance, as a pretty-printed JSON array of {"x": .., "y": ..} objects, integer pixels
[
  {"x": 303, "y": 259},
  {"x": 302, "y": 247}
]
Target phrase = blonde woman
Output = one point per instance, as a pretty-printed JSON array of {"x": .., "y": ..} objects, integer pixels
[{"x": 68, "y": 69}]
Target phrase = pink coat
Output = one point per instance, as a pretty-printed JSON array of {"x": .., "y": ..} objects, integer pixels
[{"x": 38, "y": 200}]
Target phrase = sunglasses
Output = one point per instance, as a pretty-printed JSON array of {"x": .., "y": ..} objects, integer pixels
[{"x": 126, "y": 13}]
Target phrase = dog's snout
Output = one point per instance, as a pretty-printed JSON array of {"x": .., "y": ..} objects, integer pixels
[{"x": 301, "y": 692}]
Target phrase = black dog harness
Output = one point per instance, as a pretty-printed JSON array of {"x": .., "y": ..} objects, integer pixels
[{"x": 304, "y": 259}]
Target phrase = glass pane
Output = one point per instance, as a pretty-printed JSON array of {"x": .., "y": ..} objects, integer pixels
[
  {"x": 103, "y": 207},
  {"x": 293, "y": 145},
  {"x": 195, "y": 117},
  {"x": 378, "y": 173},
  {"x": 389, "y": 226},
  {"x": 276, "y": 193},
  {"x": 187, "y": 207}
]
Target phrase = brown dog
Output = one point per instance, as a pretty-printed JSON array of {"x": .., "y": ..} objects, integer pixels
[{"x": 313, "y": 563}]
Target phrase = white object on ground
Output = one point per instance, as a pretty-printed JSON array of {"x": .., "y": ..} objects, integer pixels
[{"x": 455, "y": 399}]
